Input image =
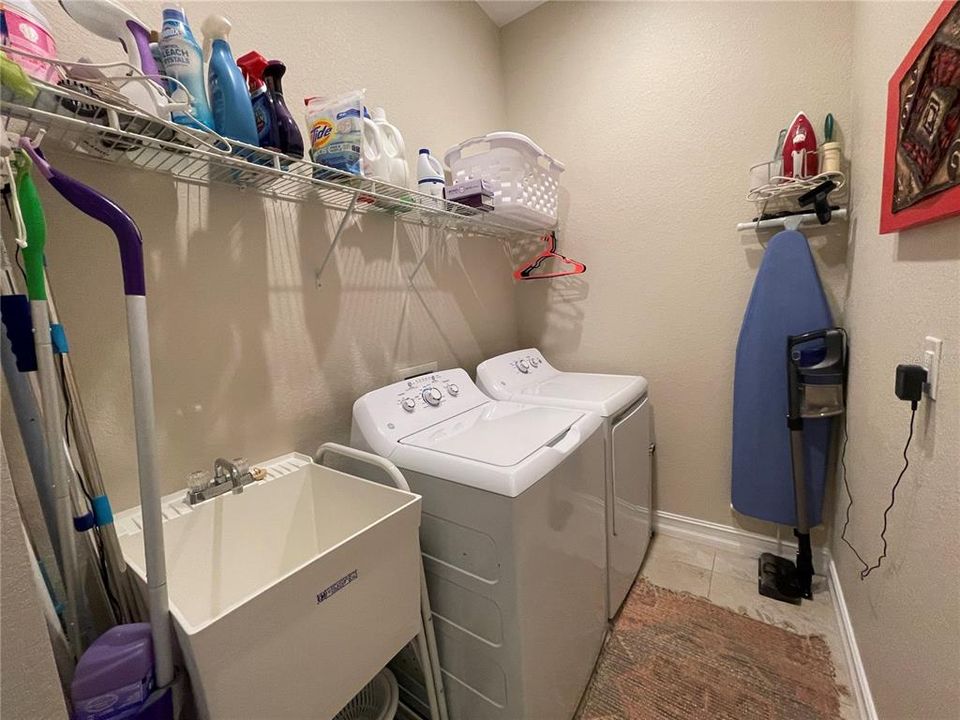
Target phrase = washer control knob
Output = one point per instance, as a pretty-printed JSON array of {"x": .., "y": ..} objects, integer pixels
[
  {"x": 523, "y": 366},
  {"x": 409, "y": 404},
  {"x": 534, "y": 362},
  {"x": 454, "y": 390},
  {"x": 432, "y": 396}
]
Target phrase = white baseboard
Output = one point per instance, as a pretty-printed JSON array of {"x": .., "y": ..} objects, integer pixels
[
  {"x": 858, "y": 675},
  {"x": 726, "y": 537},
  {"x": 743, "y": 542}
]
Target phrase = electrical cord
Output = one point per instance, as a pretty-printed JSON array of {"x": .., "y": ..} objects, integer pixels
[
  {"x": 18, "y": 257},
  {"x": 9, "y": 209},
  {"x": 846, "y": 486},
  {"x": 893, "y": 496},
  {"x": 98, "y": 538},
  {"x": 66, "y": 427}
]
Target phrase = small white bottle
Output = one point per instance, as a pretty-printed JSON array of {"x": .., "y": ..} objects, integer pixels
[{"x": 429, "y": 174}]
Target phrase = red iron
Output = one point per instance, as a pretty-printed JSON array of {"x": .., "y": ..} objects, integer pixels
[{"x": 800, "y": 149}]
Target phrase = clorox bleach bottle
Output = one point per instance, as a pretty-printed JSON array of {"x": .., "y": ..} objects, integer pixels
[
  {"x": 393, "y": 148},
  {"x": 429, "y": 174}
]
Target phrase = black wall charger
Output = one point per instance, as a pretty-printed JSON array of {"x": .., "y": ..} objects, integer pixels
[{"x": 910, "y": 380}]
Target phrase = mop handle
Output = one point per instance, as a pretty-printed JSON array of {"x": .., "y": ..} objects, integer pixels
[
  {"x": 90, "y": 202},
  {"x": 32, "y": 213},
  {"x": 35, "y": 224}
]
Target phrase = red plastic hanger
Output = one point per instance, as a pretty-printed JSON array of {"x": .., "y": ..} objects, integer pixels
[{"x": 525, "y": 271}]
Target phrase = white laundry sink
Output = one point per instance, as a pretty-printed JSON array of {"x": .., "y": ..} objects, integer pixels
[{"x": 290, "y": 596}]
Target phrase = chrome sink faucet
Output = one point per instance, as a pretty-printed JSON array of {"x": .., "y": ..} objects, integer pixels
[
  {"x": 227, "y": 475},
  {"x": 224, "y": 471}
]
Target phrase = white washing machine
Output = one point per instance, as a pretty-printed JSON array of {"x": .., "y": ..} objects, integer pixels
[
  {"x": 513, "y": 540},
  {"x": 525, "y": 376}
]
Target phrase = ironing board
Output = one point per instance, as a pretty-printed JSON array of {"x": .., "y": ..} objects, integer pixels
[{"x": 787, "y": 299}]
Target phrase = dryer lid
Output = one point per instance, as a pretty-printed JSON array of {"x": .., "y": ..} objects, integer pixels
[
  {"x": 502, "y": 434},
  {"x": 605, "y": 394},
  {"x": 525, "y": 376}
]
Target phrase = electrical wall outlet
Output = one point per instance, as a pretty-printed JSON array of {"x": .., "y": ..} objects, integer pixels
[
  {"x": 931, "y": 363},
  {"x": 413, "y": 371}
]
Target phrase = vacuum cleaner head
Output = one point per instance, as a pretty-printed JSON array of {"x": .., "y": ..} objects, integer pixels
[{"x": 777, "y": 579}]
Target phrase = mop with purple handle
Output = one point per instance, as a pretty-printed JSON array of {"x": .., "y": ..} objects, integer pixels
[{"x": 123, "y": 645}]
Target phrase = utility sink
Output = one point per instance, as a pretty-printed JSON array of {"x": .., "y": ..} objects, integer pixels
[{"x": 290, "y": 596}]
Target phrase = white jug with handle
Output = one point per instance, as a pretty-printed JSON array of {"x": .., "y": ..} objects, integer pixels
[
  {"x": 376, "y": 164},
  {"x": 393, "y": 148}
]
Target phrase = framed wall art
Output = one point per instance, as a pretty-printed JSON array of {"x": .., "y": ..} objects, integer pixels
[{"x": 921, "y": 173}]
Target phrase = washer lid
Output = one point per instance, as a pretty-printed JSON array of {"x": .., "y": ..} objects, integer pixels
[{"x": 497, "y": 433}]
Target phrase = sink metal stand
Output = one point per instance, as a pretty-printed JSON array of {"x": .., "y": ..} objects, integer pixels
[{"x": 426, "y": 638}]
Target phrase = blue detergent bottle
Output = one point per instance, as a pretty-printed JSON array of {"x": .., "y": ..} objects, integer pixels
[{"x": 229, "y": 101}]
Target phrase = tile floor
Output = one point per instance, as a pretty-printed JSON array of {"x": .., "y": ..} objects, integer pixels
[{"x": 730, "y": 579}]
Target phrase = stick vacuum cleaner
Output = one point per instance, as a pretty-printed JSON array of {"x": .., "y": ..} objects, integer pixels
[{"x": 816, "y": 378}]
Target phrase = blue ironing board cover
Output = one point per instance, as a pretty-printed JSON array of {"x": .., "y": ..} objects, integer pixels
[{"x": 787, "y": 299}]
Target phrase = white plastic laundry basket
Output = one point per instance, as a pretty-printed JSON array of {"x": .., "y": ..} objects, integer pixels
[
  {"x": 377, "y": 701},
  {"x": 525, "y": 180}
]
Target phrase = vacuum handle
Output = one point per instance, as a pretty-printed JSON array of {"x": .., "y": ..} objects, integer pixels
[
  {"x": 833, "y": 340},
  {"x": 90, "y": 202}
]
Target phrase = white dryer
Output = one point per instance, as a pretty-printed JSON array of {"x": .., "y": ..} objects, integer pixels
[
  {"x": 525, "y": 376},
  {"x": 513, "y": 539}
]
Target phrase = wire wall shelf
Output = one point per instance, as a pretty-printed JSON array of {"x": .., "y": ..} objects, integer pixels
[{"x": 104, "y": 127}]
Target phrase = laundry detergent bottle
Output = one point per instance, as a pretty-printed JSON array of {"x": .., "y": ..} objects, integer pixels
[
  {"x": 291, "y": 141},
  {"x": 252, "y": 66},
  {"x": 376, "y": 165},
  {"x": 393, "y": 148},
  {"x": 183, "y": 61},
  {"x": 229, "y": 101}
]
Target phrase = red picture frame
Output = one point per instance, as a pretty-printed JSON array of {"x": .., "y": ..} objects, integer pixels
[{"x": 937, "y": 204}]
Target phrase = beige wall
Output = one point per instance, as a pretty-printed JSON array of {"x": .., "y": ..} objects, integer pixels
[
  {"x": 658, "y": 110},
  {"x": 902, "y": 287},
  {"x": 29, "y": 684},
  {"x": 250, "y": 356}
]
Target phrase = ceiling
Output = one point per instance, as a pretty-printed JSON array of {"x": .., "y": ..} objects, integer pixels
[{"x": 506, "y": 11}]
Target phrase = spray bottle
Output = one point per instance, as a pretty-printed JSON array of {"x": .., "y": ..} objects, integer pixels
[
  {"x": 229, "y": 101},
  {"x": 252, "y": 66},
  {"x": 291, "y": 141}
]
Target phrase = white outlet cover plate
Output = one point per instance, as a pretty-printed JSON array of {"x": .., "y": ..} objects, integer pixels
[{"x": 932, "y": 348}]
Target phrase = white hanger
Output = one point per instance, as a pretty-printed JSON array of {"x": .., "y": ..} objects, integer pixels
[{"x": 9, "y": 142}]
